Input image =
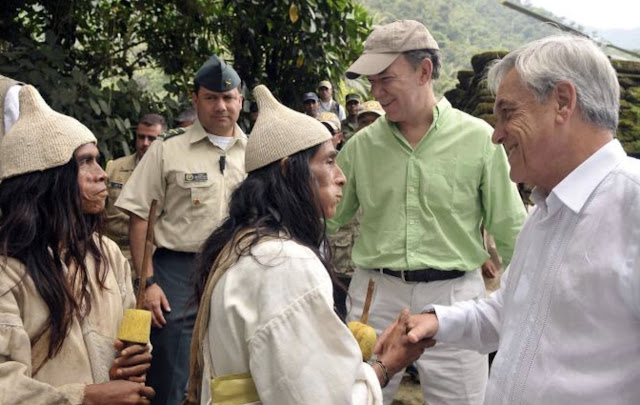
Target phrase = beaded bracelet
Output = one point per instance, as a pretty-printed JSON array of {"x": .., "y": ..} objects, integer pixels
[{"x": 385, "y": 374}]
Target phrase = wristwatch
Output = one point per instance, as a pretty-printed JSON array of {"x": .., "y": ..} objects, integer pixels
[{"x": 149, "y": 281}]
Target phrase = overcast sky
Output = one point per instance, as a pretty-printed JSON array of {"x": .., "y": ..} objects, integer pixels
[{"x": 609, "y": 14}]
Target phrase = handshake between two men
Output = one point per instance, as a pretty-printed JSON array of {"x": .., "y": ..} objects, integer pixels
[{"x": 404, "y": 341}]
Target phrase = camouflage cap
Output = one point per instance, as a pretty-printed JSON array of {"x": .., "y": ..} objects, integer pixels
[{"x": 217, "y": 75}]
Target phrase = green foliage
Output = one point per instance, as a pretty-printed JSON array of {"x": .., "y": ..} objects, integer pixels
[
  {"x": 86, "y": 56},
  {"x": 291, "y": 46},
  {"x": 462, "y": 28},
  {"x": 108, "y": 111}
]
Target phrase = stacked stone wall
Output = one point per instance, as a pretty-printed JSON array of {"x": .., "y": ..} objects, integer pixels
[{"x": 472, "y": 96}]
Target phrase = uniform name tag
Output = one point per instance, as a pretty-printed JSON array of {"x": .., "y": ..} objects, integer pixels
[
  {"x": 195, "y": 177},
  {"x": 113, "y": 184}
]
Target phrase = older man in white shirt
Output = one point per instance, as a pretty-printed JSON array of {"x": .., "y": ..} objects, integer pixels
[{"x": 566, "y": 320}]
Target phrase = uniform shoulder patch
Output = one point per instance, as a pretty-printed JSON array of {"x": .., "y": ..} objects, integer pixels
[{"x": 171, "y": 133}]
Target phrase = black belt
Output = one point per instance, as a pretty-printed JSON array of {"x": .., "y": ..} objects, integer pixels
[{"x": 422, "y": 276}]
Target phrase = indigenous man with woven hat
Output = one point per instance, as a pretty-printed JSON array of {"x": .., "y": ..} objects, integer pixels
[
  {"x": 267, "y": 319},
  {"x": 63, "y": 286},
  {"x": 425, "y": 176},
  {"x": 119, "y": 171},
  {"x": 191, "y": 173}
]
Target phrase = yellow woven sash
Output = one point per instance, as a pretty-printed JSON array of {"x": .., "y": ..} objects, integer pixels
[{"x": 233, "y": 389}]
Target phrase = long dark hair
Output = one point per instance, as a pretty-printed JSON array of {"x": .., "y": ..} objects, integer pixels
[
  {"x": 42, "y": 225},
  {"x": 274, "y": 200}
]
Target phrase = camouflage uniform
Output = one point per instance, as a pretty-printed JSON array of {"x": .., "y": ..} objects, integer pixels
[
  {"x": 349, "y": 128},
  {"x": 341, "y": 245}
]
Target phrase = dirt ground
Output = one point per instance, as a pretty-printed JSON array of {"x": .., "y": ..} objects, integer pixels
[{"x": 409, "y": 393}]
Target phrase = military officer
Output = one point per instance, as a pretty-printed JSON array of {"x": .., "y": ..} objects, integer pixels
[
  {"x": 119, "y": 171},
  {"x": 192, "y": 174}
]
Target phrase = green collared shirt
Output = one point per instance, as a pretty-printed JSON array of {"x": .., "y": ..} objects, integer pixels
[{"x": 423, "y": 207}]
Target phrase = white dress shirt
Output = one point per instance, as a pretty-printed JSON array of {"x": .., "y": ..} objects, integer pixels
[{"x": 566, "y": 320}]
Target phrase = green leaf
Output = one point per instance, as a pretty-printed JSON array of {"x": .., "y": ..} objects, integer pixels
[
  {"x": 105, "y": 107},
  {"x": 94, "y": 106}
]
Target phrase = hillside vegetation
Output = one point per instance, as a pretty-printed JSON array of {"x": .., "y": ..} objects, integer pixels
[{"x": 462, "y": 28}]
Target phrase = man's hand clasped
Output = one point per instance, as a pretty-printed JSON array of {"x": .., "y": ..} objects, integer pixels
[{"x": 399, "y": 345}]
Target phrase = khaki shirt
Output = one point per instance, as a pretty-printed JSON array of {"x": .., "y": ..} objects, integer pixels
[
  {"x": 119, "y": 171},
  {"x": 183, "y": 174}
]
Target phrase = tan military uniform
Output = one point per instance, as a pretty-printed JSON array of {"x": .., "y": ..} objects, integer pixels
[
  {"x": 183, "y": 173},
  {"x": 119, "y": 171}
]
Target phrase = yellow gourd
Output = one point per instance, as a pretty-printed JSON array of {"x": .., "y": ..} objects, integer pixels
[
  {"x": 365, "y": 334},
  {"x": 135, "y": 326},
  {"x": 366, "y": 337}
]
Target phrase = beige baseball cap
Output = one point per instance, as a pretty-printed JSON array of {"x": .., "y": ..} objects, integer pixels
[
  {"x": 387, "y": 42},
  {"x": 325, "y": 83},
  {"x": 371, "y": 106},
  {"x": 330, "y": 119}
]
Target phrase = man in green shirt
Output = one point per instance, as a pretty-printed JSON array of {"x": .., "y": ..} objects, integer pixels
[{"x": 425, "y": 176}]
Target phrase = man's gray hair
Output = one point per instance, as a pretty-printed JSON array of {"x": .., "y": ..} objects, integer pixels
[
  {"x": 543, "y": 63},
  {"x": 416, "y": 57}
]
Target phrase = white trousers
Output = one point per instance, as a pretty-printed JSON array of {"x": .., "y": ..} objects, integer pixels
[{"x": 448, "y": 375}]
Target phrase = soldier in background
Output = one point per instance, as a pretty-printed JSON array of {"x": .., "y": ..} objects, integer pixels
[
  {"x": 369, "y": 112},
  {"x": 350, "y": 124},
  {"x": 119, "y": 171},
  {"x": 332, "y": 123},
  {"x": 310, "y": 104},
  {"x": 186, "y": 118},
  {"x": 191, "y": 173},
  {"x": 327, "y": 103}
]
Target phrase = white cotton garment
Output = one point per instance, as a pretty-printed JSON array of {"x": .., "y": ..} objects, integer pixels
[
  {"x": 566, "y": 320},
  {"x": 272, "y": 316}
]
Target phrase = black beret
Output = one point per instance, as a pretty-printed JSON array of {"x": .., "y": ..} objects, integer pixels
[{"x": 216, "y": 75}]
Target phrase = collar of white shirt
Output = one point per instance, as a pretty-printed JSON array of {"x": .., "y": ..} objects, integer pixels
[{"x": 574, "y": 190}]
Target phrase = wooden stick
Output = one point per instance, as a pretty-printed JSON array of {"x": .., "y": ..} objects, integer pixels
[
  {"x": 148, "y": 246},
  {"x": 367, "y": 302}
]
